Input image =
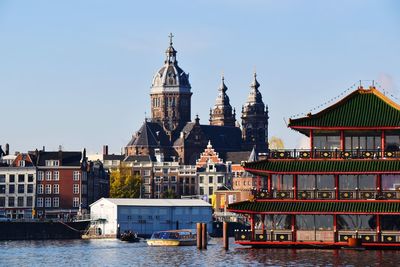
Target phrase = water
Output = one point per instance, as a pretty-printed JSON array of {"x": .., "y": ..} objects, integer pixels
[{"x": 117, "y": 253}]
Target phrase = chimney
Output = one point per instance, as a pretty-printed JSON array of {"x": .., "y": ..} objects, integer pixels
[
  {"x": 44, "y": 149},
  {"x": 105, "y": 150},
  {"x": 7, "y": 149}
]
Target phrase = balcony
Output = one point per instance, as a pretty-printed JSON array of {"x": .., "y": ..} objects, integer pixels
[
  {"x": 327, "y": 194},
  {"x": 331, "y": 154}
]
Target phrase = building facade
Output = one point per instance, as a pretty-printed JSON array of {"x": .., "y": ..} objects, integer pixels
[{"x": 346, "y": 185}]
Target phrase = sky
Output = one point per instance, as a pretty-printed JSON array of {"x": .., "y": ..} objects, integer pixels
[{"x": 78, "y": 73}]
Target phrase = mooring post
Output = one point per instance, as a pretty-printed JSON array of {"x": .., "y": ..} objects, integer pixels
[
  {"x": 199, "y": 235},
  {"x": 204, "y": 236},
  {"x": 225, "y": 235}
]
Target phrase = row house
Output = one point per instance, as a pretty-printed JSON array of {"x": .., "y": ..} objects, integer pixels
[{"x": 17, "y": 187}]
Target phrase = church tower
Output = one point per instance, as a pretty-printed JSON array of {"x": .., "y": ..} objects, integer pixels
[
  {"x": 221, "y": 114},
  {"x": 255, "y": 120},
  {"x": 170, "y": 94}
]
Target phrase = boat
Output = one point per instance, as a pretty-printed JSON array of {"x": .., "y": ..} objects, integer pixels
[
  {"x": 173, "y": 238},
  {"x": 129, "y": 236}
]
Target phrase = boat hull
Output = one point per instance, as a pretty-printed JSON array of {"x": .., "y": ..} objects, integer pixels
[{"x": 170, "y": 242}]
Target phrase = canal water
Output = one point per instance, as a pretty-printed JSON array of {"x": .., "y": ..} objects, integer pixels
[{"x": 117, "y": 253}]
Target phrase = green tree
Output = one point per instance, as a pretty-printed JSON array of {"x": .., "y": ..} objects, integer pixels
[
  {"x": 169, "y": 194},
  {"x": 124, "y": 184}
]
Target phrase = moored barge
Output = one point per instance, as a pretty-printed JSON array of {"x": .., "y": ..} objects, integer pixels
[{"x": 345, "y": 186}]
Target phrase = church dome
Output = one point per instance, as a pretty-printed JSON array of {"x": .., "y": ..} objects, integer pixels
[{"x": 170, "y": 77}]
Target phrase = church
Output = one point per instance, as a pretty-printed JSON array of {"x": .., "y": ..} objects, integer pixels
[{"x": 171, "y": 131}]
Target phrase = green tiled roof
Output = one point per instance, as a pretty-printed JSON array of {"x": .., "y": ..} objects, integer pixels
[
  {"x": 362, "y": 108},
  {"x": 323, "y": 166},
  {"x": 317, "y": 207}
]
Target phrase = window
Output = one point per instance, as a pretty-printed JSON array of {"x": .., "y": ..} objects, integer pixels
[
  {"x": 76, "y": 175},
  {"x": 2, "y": 201},
  {"x": 390, "y": 222},
  {"x": 391, "y": 182},
  {"x": 21, "y": 188},
  {"x": 12, "y": 178},
  {"x": 11, "y": 189},
  {"x": 48, "y": 189},
  {"x": 11, "y": 201},
  {"x": 146, "y": 172},
  {"x": 30, "y": 178},
  {"x": 282, "y": 182},
  {"x": 40, "y": 189},
  {"x": 210, "y": 179},
  {"x": 278, "y": 222},
  {"x": 173, "y": 179},
  {"x": 21, "y": 178},
  {"x": 56, "y": 189},
  {"x": 29, "y": 189},
  {"x": 56, "y": 202},
  {"x": 76, "y": 189},
  {"x": 48, "y": 176},
  {"x": 362, "y": 142},
  {"x": 202, "y": 179},
  {"x": 84, "y": 189},
  {"x": 39, "y": 202},
  {"x": 210, "y": 190},
  {"x": 47, "y": 202},
  {"x": 84, "y": 176},
  {"x": 392, "y": 142},
  {"x": 220, "y": 179},
  {"x": 52, "y": 162},
  {"x": 327, "y": 142},
  {"x": 353, "y": 182},
  {"x": 201, "y": 190},
  {"x": 21, "y": 163},
  {"x": 40, "y": 176},
  {"x": 75, "y": 202},
  {"x": 356, "y": 222},
  {"x": 2, "y": 188},
  {"x": 56, "y": 175},
  {"x": 29, "y": 201},
  {"x": 20, "y": 201},
  {"x": 2, "y": 178}
]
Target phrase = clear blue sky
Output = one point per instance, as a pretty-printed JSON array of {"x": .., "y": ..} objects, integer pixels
[{"x": 78, "y": 73}]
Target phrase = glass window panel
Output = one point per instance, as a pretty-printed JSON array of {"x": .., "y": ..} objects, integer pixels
[
  {"x": 306, "y": 182},
  {"x": 325, "y": 182},
  {"x": 392, "y": 143},
  {"x": 333, "y": 142},
  {"x": 363, "y": 142},
  {"x": 370, "y": 143},
  {"x": 366, "y": 222},
  {"x": 305, "y": 222},
  {"x": 390, "y": 182},
  {"x": 347, "y": 222},
  {"x": 282, "y": 182},
  {"x": 278, "y": 222},
  {"x": 347, "y": 143},
  {"x": 366, "y": 182},
  {"x": 347, "y": 182},
  {"x": 323, "y": 222},
  {"x": 355, "y": 142},
  {"x": 390, "y": 223}
]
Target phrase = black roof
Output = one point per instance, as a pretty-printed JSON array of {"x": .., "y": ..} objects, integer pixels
[
  {"x": 66, "y": 158},
  {"x": 223, "y": 138},
  {"x": 138, "y": 158},
  {"x": 151, "y": 134},
  {"x": 113, "y": 157},
  {"x": 237, "y": 157}
]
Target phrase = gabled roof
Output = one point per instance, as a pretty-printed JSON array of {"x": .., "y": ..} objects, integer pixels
[
  {"x": 360, "y": 109},
  {"x": 324, "y": 207},
  {"x": 323, "y": 166},
  {"x": 237, "y": 157}
]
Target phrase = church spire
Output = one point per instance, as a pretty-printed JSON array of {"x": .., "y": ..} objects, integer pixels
[
  {"x": 221, "y": 114},
  {"x": 170, "y": 52}
]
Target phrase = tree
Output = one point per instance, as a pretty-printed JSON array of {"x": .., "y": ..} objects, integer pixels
[
  {"x": 169, "y": 194},
  {"x": 276, "y": 143},
  {"x": 124, "y": 184}
]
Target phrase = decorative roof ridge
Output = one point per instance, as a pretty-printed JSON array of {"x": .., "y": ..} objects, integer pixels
[{"x": 358, "y": 91}]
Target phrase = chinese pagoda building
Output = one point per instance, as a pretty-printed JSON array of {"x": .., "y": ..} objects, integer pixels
[{"x": 345, "y": 186}]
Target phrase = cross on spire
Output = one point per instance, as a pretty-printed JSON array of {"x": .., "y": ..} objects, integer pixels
[{"x": 170, "y": 38}]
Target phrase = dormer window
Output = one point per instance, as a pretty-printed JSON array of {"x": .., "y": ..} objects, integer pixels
[
  {"x": 22, "y": 163},
  {"x": 52, "y": 163}
]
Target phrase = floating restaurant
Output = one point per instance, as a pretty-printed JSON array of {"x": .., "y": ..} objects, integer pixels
[{"x": 345, "y": 187}]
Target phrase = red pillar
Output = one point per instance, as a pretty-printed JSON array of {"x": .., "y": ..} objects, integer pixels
[
  {"x": 335, "y": 232},
  {"x": 342, "y": 145},
  {"x": 311, "y": 143},
  {"x": 269, "y": 182},
  {"x": 379, "y": 182},
  {"x": 252, "y": 226},
  {"x": 258, "y": 183},
  {"x": 382, "y": 143},
  {"x": 378, "y": 228},
  {"x": 295, "y": 186}
]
